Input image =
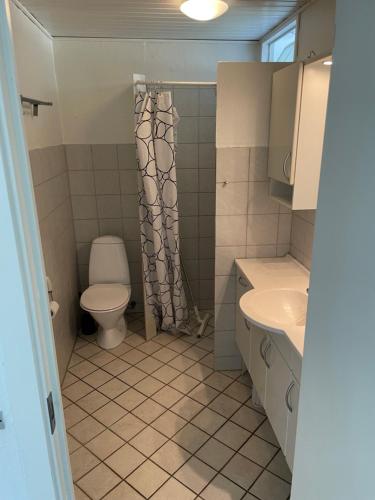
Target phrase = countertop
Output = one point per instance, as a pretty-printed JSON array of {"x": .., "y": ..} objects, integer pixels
[{"x": 278, "y": 272}]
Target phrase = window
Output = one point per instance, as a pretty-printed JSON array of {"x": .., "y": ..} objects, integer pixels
[{"x": 280, "y": 47}]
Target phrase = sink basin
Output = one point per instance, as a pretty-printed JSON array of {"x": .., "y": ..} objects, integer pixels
[{"x": 275, "y": 309}]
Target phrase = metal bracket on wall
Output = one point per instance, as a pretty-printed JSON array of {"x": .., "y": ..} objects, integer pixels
[{"x": 35, "y": 103}]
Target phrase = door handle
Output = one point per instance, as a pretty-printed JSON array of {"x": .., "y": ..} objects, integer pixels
[
  {"x": 284, "y": 164},
  {"x": 242, "y": 282},
  {"x": 266, "y": 350},
  {"x": 287, "y": 397}
]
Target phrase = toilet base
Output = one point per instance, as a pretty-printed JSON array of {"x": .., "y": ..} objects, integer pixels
[{"x": 112, "y": 337}]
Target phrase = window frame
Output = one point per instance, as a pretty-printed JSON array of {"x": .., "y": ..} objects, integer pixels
[{"x": 275, "y": 35}]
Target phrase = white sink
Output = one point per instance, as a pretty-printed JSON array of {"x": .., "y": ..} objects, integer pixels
[{"x": 275, "y": 309}]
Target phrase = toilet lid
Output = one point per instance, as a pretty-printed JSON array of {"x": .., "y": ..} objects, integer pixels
[{"x": 105, "y": 297}]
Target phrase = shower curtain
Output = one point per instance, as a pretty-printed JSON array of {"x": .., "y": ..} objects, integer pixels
[{"x": 155, "y": 119}]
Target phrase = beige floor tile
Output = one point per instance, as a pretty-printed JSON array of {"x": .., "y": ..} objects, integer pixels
[
  {"x": 79, "y": 495},
  {"x": 149, "y": 347},
  {"x": 203, "y": 394},
  {"x": 109, "y": 414},
  {"x": 104, "y": 444},
  {"x": 113, "y": 388},
  {"x": 181, "y": 363},
  {"x": 232, "y": 435},
  {"x": 258, "y": 451},
  {"x": 130, "y": 399},
  {"x": 279, "y": 467},
  {"x": 123, "y": 492},
  {"x": 167, "y": 396},
  {"x": 80, "y": 342},
  {"x": 208, "y": 420},
  {"x": 165, "y": 338},
  {"x": 195, "y": 353},
  {"x": 147, "y": 478},
  {"x": 195, "y": 474},
  {"x": 169, "y": 423},
  {"x": 191, "y": 438},
  {"x": 170, "y": 457},
  {"x": 74, "y": 360},
  {"x": 166, "y": 374},
  {"x": 73, "y": 444},
  {"x": 99, "y": 481},
  {"x": 148, "y": 411},
  {"x": 148, "y": 441},
  {"x": 245, "y": 379},
  {"x": 128, "y": 426},
  {"x": 164, "y": 354},
  {"x": 149, "y": 385},
  {"x": 215, "y": 454},
  {"x": 173, "y": 490},
  {"x": 233, "y": 374},
  {"x": 83, "y": 369},
  {"x": 248, "y": 418},
  {"x": 222, "y": 489},
  {"x": 77, "y": 391},
  {"x": 250, "y": 497},
  {"x": 92, "y": 401},
  {"x": 242, "y": 471},
  {"x": 255, "y": 407},
  {"x": 270, "y": 487},
  {"x": 132, "y": 376},
  {"x": 187, "y": 408},
  {"x": 184, "y": 383},
  {"x": 135, "y": 340},
  {"x": 224, "y": 405},
  {"x": 73, "y": 414},
  {"x": 102, "y": 358},
  {"x": 218, "y": 381},
  {"x": 265, "y": 431},
  {"x": 116, "y": 367},
  {"x": 86, "y": 430},
  {"x": 149, "y": 365},
  {"x": 125, "y": 460},
  {"x": 207, "y": 344},
  {"x": 66, "y": 402},
  {"x": 120, "y": 349},
  {"x": 69, "y": 379},
  {"x": 199, "y": 371},
  {"x": 238, "y": 391},
  {"x": 209, "y": 361},
  {"x": 179, "y": 345},
  {"x": 81, "y": 462},
  {"x": 97, "y": 378},
  {"x": 88, "y": 350},
  {"x": 134, "y": 356}
]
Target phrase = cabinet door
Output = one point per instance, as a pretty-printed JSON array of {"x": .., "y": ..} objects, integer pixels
[
  {"x": 258, "y": 368},
  {"x": 278, "y": 380},
  {"x": 243, "y": 331},
  {"x": 292, "y": 400},
  {"x": 286, "y": 97}
]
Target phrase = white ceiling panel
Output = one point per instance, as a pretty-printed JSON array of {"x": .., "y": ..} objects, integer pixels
[{"x": 245, "y": 20}]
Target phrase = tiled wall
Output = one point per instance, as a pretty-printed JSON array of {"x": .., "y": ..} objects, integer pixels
[
  {"x": 302, "y": 237},
  {"x": 248, "y": 224},
  {"x": 51, "y": 188},
  {"x": 103, "y": 183}
]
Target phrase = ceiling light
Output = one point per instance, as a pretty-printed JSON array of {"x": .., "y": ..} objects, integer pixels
[
  {"x": 328, "y": 63},
  {"x": 203, "y": 10}
]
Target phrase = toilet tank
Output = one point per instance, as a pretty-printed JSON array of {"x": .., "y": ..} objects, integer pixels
[{"x": 108, "y": 261}]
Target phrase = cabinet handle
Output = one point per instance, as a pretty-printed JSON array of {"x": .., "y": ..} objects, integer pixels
[
  {"x": 242, "y": 282},
  {"x": 284, "y": 164},
  {"x": 287, "y": 397},
  {"x": 247, "y": 324},
  {"x": 261, "y": 348},
  {"x": 265, "y": 355}
]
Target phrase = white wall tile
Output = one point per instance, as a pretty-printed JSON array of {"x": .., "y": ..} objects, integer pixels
[
  {"x": 231, "y": 230},
  {"x": 207, "y": 102},
  {"x": 225, "y": 290},
  {"x": 207, "y": 180},
  {"x": 225, "y": 256},
  {"x": 258, "y": 164},
  {"x": 107, "y": 182},
  {"x": 126, "y": 155},
  {"x": 232, "y": 164},
  {"x": 186, "y": 156},
  {"x": 259, "y": 200},
  {"x": 231, "y": 198},
  {"x": 109, "y": 206},
  {"x": 225, "y": 317},
  {"x": 187, "y": 131},
  {"x": 78, "y": 156},
  {"x": 207, "y": 155},
  {"x": 262, "y": 229},
  {"x": 186, "y": 101},
  {"x": 104, "y": 156},
  {"x": 207, "y": 129},
  {"x": 84, "y": 207},
  {"x": 81, "y": 182}
]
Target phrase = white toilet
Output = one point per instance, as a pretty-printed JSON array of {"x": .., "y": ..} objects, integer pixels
[{"x": 108, "y": 293}]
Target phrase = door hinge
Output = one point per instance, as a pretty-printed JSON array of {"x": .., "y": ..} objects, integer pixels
[
  {"x": 51, "y": 413},
  {"x": 2, "y": 423}
]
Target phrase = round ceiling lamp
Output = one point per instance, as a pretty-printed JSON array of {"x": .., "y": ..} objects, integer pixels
[{"x": 203, "y": 10}]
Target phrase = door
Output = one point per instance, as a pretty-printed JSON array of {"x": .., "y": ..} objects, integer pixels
[
  {"x": 258, "y": 367},
  {"x": 292, "y": 398},
  {"x": 243, "y": 327},
  {"x": 278, "y": 381},
  {"x": 284, "y": 120},
  {"x": 34, "y": 461}
]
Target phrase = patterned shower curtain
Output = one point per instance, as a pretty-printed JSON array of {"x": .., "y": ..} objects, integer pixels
[{"x": 158, "y": 211}]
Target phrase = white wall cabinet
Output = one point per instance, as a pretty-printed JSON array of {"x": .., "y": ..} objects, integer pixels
[{"x": 297, "y": 125}]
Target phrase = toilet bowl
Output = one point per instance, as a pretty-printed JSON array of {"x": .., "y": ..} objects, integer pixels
[{"x": 109, "y": 292}]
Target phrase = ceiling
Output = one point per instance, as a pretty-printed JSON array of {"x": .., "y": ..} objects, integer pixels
[{"x": 245, "y": 20}]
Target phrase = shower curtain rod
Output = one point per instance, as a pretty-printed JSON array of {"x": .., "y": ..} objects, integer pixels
[{"x": 170, "y": 82}]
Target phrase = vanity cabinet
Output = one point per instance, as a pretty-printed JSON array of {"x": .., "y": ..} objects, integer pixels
[
  {"x": 243, "y": 327},
  {"x": 292, "y": 399},
  {"x": 260, "y": 344}
]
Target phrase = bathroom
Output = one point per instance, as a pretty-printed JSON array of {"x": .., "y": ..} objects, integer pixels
[{"x": 201, "y": 402}]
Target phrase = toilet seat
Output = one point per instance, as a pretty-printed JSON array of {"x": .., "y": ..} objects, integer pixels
[{"x": 105, "y": 297}]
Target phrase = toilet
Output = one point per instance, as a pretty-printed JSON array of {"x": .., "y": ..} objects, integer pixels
[{"x": 109, "y": 289}]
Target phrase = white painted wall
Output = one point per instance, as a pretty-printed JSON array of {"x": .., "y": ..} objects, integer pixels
[
  {"x": 316, "y": 29},
  {"x": 95, "y": 79},
  {"x": 335, "y": 438},
  {"x": 36, "y": 78}
]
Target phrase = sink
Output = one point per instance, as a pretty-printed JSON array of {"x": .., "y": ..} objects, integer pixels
[{"x": 275, "y": 309}]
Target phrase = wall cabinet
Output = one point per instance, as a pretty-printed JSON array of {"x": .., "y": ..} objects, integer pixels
[{"x": 297, "y": 125}]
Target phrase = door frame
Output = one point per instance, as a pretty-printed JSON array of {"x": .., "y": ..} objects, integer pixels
[{"x": 34, "y": 463}]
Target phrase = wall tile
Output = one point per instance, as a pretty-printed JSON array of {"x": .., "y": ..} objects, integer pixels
[
  {"x": 126, "y": 154},
  {"x": 230, "y": 230},
  {"x": 207, "y": 129},
  {"x": 86, "y": 230},
  {"x": 259, "y": 199},
  {"x": 186, "y": 101},
  {"x": 79, "y": 156},
  {"x": 261, "y": 251},
  {"x": 207, "y": 180},
  {"x": 232, "y": 198},
  {"x": 83, "y": 253},
  {"x": 187, "y": 131},
  {"x": 207, "y": 102},
  {"x": 258, "y": 164},
  {"x": 186, "y": 156},
  {"x": 206, "y": 269},
  {"x": 50, "y": 194},
  {"x": 207, "y": 155},
  {"x": 129, "y": 181},
  {"x": 189, "y": 248},
  {"x": 191, "y": 268},
  {"x": 225, "y": 290},
  {"x": 109, "y": 207},
  {"x": 206, "y": 226},
  {"x": 104, "y": 156},
  {"x": 225, "y": 317},
  {"x": 207, "y": 202},
  {"x": 225, "y": 257},
  {"x": 129, "y": 205},
  {"x": 189, "y": 227},
  {"x": 131, "y": 229},
  {"x": 84, "y": 207},
  {"x": 207, "y": 248},
  {"x": 284, "y": 231},
  {"x": 225, "y": 344},
  {"x": 207, "y": 290},
  {"x": 262, "y": 229},
  {"x": 107, "y": 182},
  {"x": 188, "y": 203},
  {"x": 81, "y": 182},
  {"x": 233, "y": 164},
  {"x": 187, "y": 181}
]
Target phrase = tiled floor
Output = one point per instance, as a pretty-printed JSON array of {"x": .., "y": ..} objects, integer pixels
[{"x": 153, "y": 420}]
